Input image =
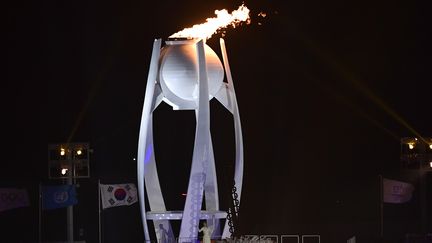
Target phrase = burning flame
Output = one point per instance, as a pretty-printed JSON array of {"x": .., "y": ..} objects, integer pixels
[{"x": 213, "y": 25}]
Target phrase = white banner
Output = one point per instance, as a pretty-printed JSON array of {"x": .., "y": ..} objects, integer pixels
[
  {"x": 11, "y": 198},
  {"x": 396, "y": 191},
  {"x": 113, "y": 195}
]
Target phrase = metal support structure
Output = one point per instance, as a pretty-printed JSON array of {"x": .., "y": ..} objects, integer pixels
[
  {"x": 416, "y": 155},
  {"x": 68, "y": 161},
  {"x": 70, "y": 218}
]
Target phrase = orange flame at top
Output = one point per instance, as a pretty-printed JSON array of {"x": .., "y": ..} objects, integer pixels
[{"x": 223, "y": 20}]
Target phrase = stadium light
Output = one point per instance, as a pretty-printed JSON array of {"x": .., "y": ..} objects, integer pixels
[
  {"x": 411, "y": 145},
  {"x": 64, "y": 171},
  {"x": 74, "y": 154},
  {"x": 69, "y": 161}
]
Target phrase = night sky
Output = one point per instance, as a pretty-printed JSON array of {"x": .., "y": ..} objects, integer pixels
[{"x": 325, "y": 90}]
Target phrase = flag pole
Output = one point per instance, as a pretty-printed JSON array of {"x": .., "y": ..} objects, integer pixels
[
  {"x": 40, "y": 214},
  {"x": 99, "y": 211},
  {"x": 381, "y": 206}
]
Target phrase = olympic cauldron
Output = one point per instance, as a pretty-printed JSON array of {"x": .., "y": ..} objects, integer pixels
[{"x": 187, "y": 74}]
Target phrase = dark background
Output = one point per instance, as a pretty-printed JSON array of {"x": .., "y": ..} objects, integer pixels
[{"x": 325, "y": 89}]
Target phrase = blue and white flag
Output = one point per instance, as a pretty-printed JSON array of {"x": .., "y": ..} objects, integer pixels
[
  {"x": 11, "y": 198},
  {"x": 58, "y": 196},
  {"x": 113, "y": 195}
]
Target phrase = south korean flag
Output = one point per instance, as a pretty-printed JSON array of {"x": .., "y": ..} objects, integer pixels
[{"x": 113, "y": 195}]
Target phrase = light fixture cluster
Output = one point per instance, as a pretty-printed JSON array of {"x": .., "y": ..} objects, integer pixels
[
  {"x": 423, "y": 144},
  {"x": 416, "y": 152},
  {"x": 68, "y": 159},
  {"x": 77, "y": 151}
]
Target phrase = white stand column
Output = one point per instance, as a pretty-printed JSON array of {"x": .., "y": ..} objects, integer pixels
[
  {"x": 145, "y": 119},
  {"x": 200, "y": 158}
]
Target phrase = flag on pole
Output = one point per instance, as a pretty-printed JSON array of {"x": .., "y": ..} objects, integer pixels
[
  {"x": 396, "y": 191},
  {"x": 113, "y": 195},
  {"x": 58, "y": 196},
  {"x": 11, "y": 198}
]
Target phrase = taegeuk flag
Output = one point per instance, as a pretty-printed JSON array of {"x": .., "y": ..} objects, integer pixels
[{"x": 113, "y": 195}]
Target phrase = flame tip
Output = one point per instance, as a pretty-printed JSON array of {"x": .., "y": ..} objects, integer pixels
[{"x": 214, "y": 25}]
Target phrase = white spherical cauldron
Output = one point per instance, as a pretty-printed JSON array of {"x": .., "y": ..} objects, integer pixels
[{"x": 178, "y": 72}]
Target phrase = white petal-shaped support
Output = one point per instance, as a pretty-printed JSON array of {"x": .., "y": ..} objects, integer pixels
[
  {"x": 211, "y": 191},
  {"x": 152, "y": 184},
  {"x": 145, "y": 149},
  {"x": 200, "y": 157},
  {"x": 238, "y": 171}
]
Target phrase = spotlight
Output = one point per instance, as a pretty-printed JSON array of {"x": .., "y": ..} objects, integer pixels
[
  {"x": 430, "y": 146},
  {"x": 79, "y": 152},
  {"x": 62, "y": 152},
  {"x": 411, "y": 145},
  {"x": 430, "y": 164},
  {"x": 64, "y": 171}
]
